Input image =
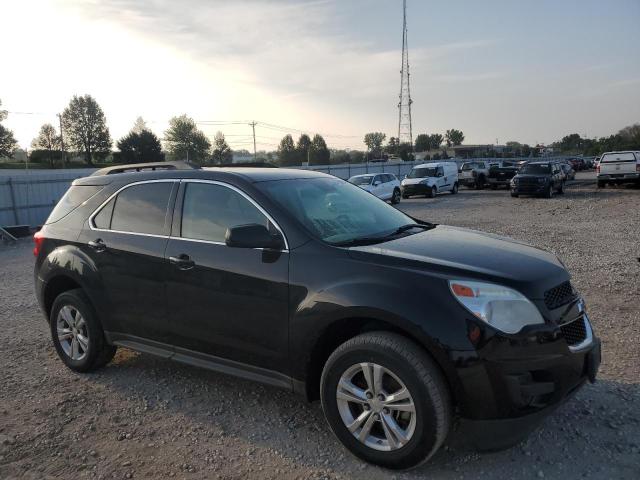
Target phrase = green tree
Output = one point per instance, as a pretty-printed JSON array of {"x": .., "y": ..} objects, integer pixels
[
  {"x": 140, "y": 147},
  {"x": 454, "y": 137},
  {"x": 184, "y": 140},
  {"x": 405, "y": 150},
  {"x": 319, "y": 154},
  {"x": 287, "y": 154},
  {"x": 85, "y": 127},
  {"x": 8, "y": 143},
  {"x": 221, "y": 151},
  {"x": 356, "y": 156},
  {"x": 48, "y": 141},
  {"x": 392, "y": 146},
  {"x": 435, "y": 140},
  {"x": 373, "y": 141},
  {"x": 423, "y": 142},
  {"x": 303, "y": 148}
]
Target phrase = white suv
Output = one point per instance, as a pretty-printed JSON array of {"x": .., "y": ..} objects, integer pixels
[
  {"x": 383, "y": 185},
  {"x": 618, "y": 167}
]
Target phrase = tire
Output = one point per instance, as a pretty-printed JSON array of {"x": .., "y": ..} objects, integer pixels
[
  {"x": 433, "y": 192},
  {"x": 514, "y": 195},
  {"x": 494, "y": 187},
  {"x": 405, "y": 196},
  {"x": 454, "y": 190},
  {"x": 561, "y": 188},
  {"x": 602, "y": 184},
  {"x": 479, "y": 185},
  {"x": 91, "y": 353},
  {"x": 549, "y": 192},
  {"x": 404, "y": 364},
  {"x": 395, "y": 198}
]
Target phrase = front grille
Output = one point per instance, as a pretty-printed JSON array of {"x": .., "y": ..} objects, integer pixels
[
  {"x": 528, "y": 181},
  {"x": 574, "y": 332},
  {"x": 560, "y": 295}
]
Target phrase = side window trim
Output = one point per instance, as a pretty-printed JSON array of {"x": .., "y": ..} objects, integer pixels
[
  {"x": 177, "y": 225},
  {"x": 117, "y": 192}
]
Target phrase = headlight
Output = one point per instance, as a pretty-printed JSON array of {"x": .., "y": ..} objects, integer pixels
[
  {"x": 499, "y": 306},
  {"x": 542, "y": 180},
  {"x": 425, "y": 181},
  {"x": 514, "y": 181}
]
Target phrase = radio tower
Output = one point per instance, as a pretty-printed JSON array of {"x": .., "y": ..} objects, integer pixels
[{"x": 405, "y": 135}]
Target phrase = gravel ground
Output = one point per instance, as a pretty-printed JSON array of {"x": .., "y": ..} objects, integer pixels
[{"x": 142, "y": 417}]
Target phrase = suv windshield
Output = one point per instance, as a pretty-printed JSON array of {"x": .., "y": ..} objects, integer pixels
[
  {"x": 361, "y": 180},
  {"x": 469, "y": 166},
  {"x": 536, "y": 169},
  {"x": 422, "y": 172},
  {"x": 335, "y": 211}
]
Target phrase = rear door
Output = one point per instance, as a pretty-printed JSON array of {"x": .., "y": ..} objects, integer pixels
[
  {"x": 224, "y": 302},
  {"x": 616, "y": 164},
  {"x": 126, "y": 241}
]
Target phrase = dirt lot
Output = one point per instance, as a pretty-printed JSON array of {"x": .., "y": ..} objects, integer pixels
[{"x": 142, "y": 417}]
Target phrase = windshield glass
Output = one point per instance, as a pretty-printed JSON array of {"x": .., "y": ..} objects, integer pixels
[
  {"x": 333, "y": 210},
  {"x": 364, "y": 180},
  {"x": 422, "y": 172},
  {"x": 470, "y": 166},
  {"x": 536, "y": 168}
]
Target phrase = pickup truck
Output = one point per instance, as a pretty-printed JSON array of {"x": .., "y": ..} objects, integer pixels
[
  {"x": 618, "y": 167},
  {"x": 500, "y": 174},
  {"x": 474, "y": 174}
]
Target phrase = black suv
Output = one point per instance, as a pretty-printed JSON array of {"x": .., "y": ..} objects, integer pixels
[
  {"x": 303, "y": 281},
  {"x": 540, "y": 178}
]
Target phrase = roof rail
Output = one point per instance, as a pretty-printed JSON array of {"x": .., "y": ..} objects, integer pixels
[
  {"x": 245, "y": 164},
  {"x": 143, "y": 167}
]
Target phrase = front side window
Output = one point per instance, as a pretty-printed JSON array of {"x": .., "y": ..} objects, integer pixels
[
  {"x": 363, "y": 180},
  {"x": 333, "y": 210},
  {"x": 209, "y": 209},
  {"x": 142, "y": 208}
]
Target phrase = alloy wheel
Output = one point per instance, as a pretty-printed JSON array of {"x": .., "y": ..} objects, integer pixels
[
  {"x": 73, "y": 333},
  {"x": 376, "y": 406}
]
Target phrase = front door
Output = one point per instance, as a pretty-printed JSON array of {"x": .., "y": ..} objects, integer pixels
[{"x": 229, "y": 303}]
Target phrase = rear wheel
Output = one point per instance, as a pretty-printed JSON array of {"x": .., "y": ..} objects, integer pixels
[
  {"x": 386, "y": 400},
  {"x": 454, "y": 190},
  {"x": 561, "y": 188},
  {"x": 77, "y": 334},
  {"x": 395, "y": 198},
  {"x": 433, "y": 192}
]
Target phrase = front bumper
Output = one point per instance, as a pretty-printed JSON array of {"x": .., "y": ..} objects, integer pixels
[
  {"x": 415, "y": 189},
  {"x": 467, "y": 181},
  {"x": 530, "y": 189},
  {"x": 516, "y": 383},
  {"x": 499, "y": 182}
]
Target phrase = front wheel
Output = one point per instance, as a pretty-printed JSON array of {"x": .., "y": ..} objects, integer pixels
[
  {"x": 386, "y": 400},
  {"x": 561, "y": 188},
  {"x": 549, "y": 192},
  {"x": 77, "y": 334},
  {"x": 395, "y": 198},
  {"x": 433, "y": 192}
]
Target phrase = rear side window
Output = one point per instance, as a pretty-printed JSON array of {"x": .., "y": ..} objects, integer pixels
[
  {"x": 141, "y": 208},
  {"x": 208, "y": 210},
  {"x": 103, "y": 218},
  {"x": 75, "y": 196}
]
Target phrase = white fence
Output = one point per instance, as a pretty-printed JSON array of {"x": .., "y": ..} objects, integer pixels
[{"x": 27, "y": 198}]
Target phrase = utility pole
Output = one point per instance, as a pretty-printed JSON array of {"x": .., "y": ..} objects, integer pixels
[
  {"x": 61, "y": 140},
  {"x": 253, "y": 127}
]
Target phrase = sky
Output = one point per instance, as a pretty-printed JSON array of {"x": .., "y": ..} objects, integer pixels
[{"x": 499, "y": 70}]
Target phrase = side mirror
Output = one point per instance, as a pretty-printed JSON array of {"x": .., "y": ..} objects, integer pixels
[
  {"x": 376, "y": 183},
  {"x": 253, "y": 236}
]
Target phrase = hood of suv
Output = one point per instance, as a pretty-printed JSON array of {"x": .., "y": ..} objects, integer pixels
[{"x": 458, "y": 253}]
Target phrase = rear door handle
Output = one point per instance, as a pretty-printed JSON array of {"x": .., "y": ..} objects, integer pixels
[
  {"x": 98, "y": 245},
  {"x": 182, "y": 261}
]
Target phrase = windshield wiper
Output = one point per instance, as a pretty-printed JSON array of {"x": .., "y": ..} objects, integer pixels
[{"x": 371, "y": 240}]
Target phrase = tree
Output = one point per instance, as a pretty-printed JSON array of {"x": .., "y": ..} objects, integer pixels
[
  {"x": 184, "y": 140},
  {"x": 140, "y": 147},
  {"x": 139, "y": 126},
  {"x": 221, "y": 151},
  {"x": 405, "y": 150},
  {"x": 319, "y": 154},
  {"x": 48, "y": 141},
  {"x": 631, "y": 134},
  {"x": 303, "y": 148},
  {"x": 287, "y": 154},
  {"x": 85, "y": 126},
  {"x": 392, "y": 146},
  {"x": 435, "y": 140},
  {"x": 423, "y": 143},
  {"x": 454, "y": 137},
  {"x": 373, "y": 141},
  {"x": 8, "y": 143},
  {"x": 356, "y": 156}
]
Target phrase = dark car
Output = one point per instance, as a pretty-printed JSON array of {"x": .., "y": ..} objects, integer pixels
[
  {"x": 569, "y": 172},
  {"x": 541, "y": 178},
  {"x": 300, "y": 280},
  {"x": 500, "y": 174}
]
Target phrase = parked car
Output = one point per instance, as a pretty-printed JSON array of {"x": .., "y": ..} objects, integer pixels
[
  {"x": 474, "y": 174},
  {"x": 300, "y": 280},
  {"x": 430, "y": 179},
  {"x": 541, "y": 178},
  {"x": 383, "y": 185},
  {"x": 577, "y": 163},
  {"x": 618, "y": 168},
  {"x": 569, "y": 172},
  {"x": 500, "y": 174}
]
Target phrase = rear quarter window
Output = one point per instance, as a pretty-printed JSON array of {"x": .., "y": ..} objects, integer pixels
[{"x": 75, "y": 196}]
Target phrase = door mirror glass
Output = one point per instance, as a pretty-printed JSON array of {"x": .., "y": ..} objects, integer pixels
[{"x": 253, "y": 236}]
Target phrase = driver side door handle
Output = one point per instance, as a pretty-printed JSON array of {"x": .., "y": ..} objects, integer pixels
[{"x": 182, "y": 261}]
